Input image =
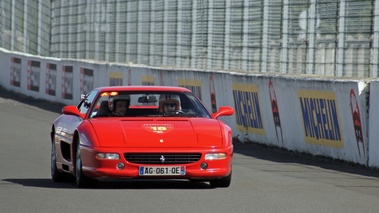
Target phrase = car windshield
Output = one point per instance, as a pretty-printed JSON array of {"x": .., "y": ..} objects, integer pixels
[{"x": 147, "y": 104}]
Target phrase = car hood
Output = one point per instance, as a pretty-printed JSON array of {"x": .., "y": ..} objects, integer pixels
[{"x": 158, "y": 133}]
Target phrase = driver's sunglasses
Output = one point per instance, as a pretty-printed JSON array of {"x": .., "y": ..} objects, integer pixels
[{"x": 170, "y": 105}]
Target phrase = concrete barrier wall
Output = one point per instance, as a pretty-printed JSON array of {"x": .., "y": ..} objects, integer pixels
[
  {"x": 373, "y": 148},
  {"x": 325, "y": 117}
]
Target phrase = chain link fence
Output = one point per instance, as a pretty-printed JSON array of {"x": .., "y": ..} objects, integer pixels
[{"x": 337, "y": 38}]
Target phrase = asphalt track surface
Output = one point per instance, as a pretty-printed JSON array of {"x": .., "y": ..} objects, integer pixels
[{"x": 265, "y": 179}]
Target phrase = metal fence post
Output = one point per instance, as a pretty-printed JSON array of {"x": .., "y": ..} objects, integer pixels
[
  {"x": 285, "y": 30},
  {"x": 312, "y": 20},
  {"x": 193, "y": 60},
  {"x": 341, "y": 39},
  {"x": 210, "y": 36},
  {"x": 165, "y": 36},
  {"x": 245, "y": 37},
  {"x": 375, "y": 46},
  {"x": 13, "y": 25},
  {"x": 228, "y": 19},
  {"x": 264, "y": 57}
]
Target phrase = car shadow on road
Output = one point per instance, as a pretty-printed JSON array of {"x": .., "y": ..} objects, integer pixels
[
  {"x": 152, "y": 184},
  {"x": 110, "y": 184},
  {"x": 282, "y": 155},
  {"x": 40, "y": 103},
  {"x": 37, "y": 182}
]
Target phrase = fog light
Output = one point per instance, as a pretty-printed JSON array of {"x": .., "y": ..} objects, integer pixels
[
  {"x": 120, "y": 166},
  {"x": 108, "y": 156},
  {"x": 215, "y": 156},
  {"x": 204, "y": 165}
]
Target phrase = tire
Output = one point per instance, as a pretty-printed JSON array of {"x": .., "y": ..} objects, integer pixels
[
  {"x": 81, "y": 180},
  {"x": 222, "y": 183},
  {"x": 56, "y": 175}
]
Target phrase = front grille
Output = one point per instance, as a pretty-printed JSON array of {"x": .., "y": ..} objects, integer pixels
[{"x": 162, "y": 158}]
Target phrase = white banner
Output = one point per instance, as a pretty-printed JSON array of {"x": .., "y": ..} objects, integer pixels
[{"x": 317, "y": 116}]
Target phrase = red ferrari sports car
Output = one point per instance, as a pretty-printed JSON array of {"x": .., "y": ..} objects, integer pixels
[{"x": 141, "y": 132}]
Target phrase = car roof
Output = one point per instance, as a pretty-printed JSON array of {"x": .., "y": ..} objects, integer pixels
[{"x": 143, "y": 88}]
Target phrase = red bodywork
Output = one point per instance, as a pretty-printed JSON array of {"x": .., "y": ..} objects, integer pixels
[{"x": 142, "y": 135}]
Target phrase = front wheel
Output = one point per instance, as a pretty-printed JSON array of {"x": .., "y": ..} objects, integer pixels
[
  {"x": 56, "y": 175},
  {"x": 223, "y": 182},
  {"x": 81, "y": 180}
]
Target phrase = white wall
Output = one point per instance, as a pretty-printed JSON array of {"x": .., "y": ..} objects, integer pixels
[
  {"x": 316, "y": 115},
  {"x": 374, "y": 124}
]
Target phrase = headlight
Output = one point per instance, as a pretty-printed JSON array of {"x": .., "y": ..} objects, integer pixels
[
  {"x": 108, "y": 156},
  {"x": 215, "y": 156}
]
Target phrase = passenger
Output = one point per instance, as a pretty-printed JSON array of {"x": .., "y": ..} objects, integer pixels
[{"x": 168, "y": 103}]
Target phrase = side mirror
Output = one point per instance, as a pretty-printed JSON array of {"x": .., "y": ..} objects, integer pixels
[
  {"x": 223, "y": 111},
  {"x": 72, "y": 110}
]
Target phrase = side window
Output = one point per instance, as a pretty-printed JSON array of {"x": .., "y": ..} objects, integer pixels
[
  {"x": 87, "y": 102},
  {"x": 100, "y": 107}
]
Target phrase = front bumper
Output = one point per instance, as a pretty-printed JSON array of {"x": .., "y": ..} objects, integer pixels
[{"x": 107, "y": 169}]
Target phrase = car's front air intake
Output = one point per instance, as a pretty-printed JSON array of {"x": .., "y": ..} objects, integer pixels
[{"x": 162, "y": 158}]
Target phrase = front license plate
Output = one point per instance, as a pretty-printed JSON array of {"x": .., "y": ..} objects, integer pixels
[{"x": 162, "y": 170}]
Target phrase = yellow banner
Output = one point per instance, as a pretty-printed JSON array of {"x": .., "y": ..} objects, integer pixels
[{"x": 319, "y": 111}]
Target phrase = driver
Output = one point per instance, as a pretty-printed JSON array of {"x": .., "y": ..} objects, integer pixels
[
  {"x": 118, "y": 105},
  {"x": 168, "y": 102}
]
